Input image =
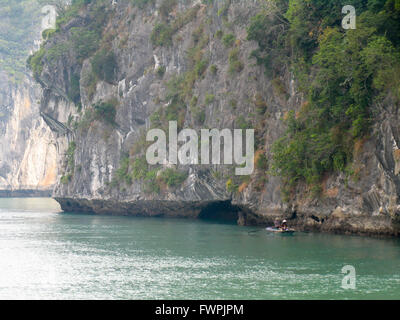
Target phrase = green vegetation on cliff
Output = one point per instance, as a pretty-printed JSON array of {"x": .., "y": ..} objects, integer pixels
[
  {"x": 70, "y": 164},
  {"x": 106, "y": 111},
  {"x": 83, "y": 40},
  {"x": 172, "y": 177},
  {"x": 341, "y": 72},
  {"x": 163, "y": 31}
]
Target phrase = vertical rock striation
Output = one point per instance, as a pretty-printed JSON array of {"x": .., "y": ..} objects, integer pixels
[{"x": 28, "y": 155}]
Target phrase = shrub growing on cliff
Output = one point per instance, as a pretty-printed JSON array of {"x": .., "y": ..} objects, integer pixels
[
  {"x": 269, "y": 29},
  {"x": 46, "y": 34},
  {"x": 261, "y": 161},
  {"x": 219, "y": 34},
  {"x": 56, "y": 52},
  {"x": 69, "y": 11},
  {"x": 152, "y": 186},
  {"x": 85, "y": 41},
  {"x": 223, "y": 11},
  {"x": 161, "y": 35},
  {"x": 71, "y": 155},
  {"x": 163, "y": 32},
  {"x": 66, "y": 179},
  {"x": 199, "y": 115},
  {"x": 106, "y": 111},
  {"x": 105, "y": 66},
  {"x": 74, "y": 91},
  {"x": 139, "y": 168},
  {"x": 172, "y": 177},
  {"x": 235, "y": 65},
  {"x": 214, "y": 69},
  {"x": 231, "y": 186},
  {"x": 209, "y": 98},
  {"x": 228, "y": 40},
  {"x": 161, "y": 71},
  {"x": 242, "y": 123},
  {"x": 35, "y": 62},
  {"x": 122, "y": 174}
]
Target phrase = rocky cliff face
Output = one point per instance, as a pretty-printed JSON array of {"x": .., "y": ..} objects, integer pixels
[
  {"x": 28, "y": 156},
  {"x": 174, "y": 63}
]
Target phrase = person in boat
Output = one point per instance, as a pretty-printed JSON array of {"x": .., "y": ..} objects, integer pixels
[{"x": 284, "y": 226}]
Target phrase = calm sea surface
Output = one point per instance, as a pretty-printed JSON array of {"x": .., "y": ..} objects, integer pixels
[{"x": 48, "y": 254}]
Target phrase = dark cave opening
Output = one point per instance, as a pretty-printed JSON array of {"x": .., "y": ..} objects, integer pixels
[{"x": 222, "y": 211}]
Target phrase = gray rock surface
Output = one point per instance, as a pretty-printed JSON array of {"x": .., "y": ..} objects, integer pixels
[{"x": 367, "y": 205}]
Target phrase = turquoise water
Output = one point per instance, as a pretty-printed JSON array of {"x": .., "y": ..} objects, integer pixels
[{"x": 47, "y": 254}]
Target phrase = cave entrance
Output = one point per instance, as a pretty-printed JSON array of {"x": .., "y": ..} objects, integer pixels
[{"x": 222, "y": 211}]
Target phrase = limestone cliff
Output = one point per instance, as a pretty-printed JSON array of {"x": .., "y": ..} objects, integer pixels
[
  {"x": 28, "y": 155},
  {"x": 27, "y": 147},
  {"x": 190, "y": 61}
]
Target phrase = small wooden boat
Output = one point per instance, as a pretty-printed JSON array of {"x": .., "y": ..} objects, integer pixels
[{"x": 279, "y": 230}]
